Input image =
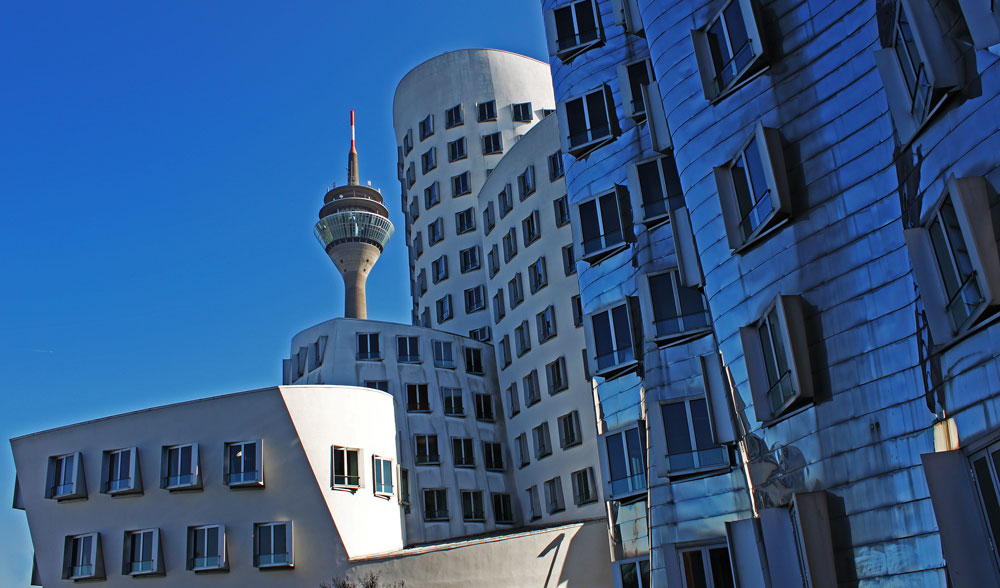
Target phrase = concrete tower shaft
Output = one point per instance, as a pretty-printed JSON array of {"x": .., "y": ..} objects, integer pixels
[{"x": 353, "y": 229}]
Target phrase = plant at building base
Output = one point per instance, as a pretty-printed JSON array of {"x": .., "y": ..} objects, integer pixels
[{"x": 370, "y": 581}]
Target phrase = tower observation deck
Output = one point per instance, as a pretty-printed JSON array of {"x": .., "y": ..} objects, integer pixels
[{"x": 353, "y": 229}]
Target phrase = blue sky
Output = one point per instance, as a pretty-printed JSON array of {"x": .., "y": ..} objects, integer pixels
[{"x": 161, "y": 166}]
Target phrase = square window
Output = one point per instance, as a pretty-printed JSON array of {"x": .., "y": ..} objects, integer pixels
[
  {"x": 472, "y": 506},
  {"x": 428, "y": 160},
  {"x": 561, "y": 209},
  {"x": 589, "y": 121},
  {"x": 493, "y": 259},
  {"x": 538, "y": 277},
  {"x": 656, "y": 189},
  {"x": 474, "y": 361},
  {"x": 272, "y": 545},
  {"x": 382, "y": 471},
  {"x": 453, "y": 404},
  {"x": 465, "y": 221},
  {"x": 468, "y": 259},
  {"x": 554, "y": 501},
  {"x": 626, "y": 452},
  {"x": 526, "y": 183},
  {"x": 179, "y": 467},
  {"x": 543, "y": 443},
  {"x": 244, "y": 463},
  {"x": 408, "y": 349},
  {"x": 729, "y": 49},
  {"x": 556, "y": 170},
  {"x": 569, "y": 430},
  {"x": 444, "y": 309},
  {"x": 493, "y": 456},
  {"x": 83, "y": 557},
  {"x": 439, "y": 269},
  {"x": 65, "y": 477},
  {"x": 545, "y": 323},
  {"x": 522, "y": 337},
  {"x": 484, "y": 408},
  {"x": 417, "y": 399},
  {"x": 206, "y": 548},
  {"x": 531, "y": 228},
  {"x": 555, "y": 375},
  {"x": 487, "y": 110},
  {"x": 679, "y": 313},
  {"x": 584, "y": 487},
  {"x": 691, "y": 445},
  {"x": 522, "y": 112},
  {"x": 462, "y": 452},
  {"x": 573, "y": 29},
  {"x": 368, "y": 346},
  {"x": 461, "y": 185},
  {"x": 457, "y": 150},
  {"x": 453, "y": 117},
  {"x": 502, "y": 511},
  {"x": 427, "y": 450},
  {"x": 605, "y": 225},
  {"x": 436, "y": 504},
  {"x": 475, "y": 299},
  {"x": 492, "y": 143},
  {"x": 426, "y": 127},
  {"x": 432, "y": 196},
  {"x": 120, "y": 472},
  {"x": 346, "y": 468},
  {"x": 142, "y": 553}
]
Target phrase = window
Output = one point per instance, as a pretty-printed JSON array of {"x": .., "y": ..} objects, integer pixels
[
  {"x": 427, "y": 450},
  {"x": 577, "y": 311},
  {"x": 612, "y": 336},
  {"x": 422, "y": 282},
  {"x": 504, "y": 351},
  {"x": 368, "y": 346},
  {"x": 707, "y": 565},
  {"x": 584, "y": 488},
  {"x": 65, "y": 477},
  {"x": 244, "y": 463},
  {"x": 439, "y": 269},
  {"x": 561, "y": 206},
  {"x": 436, "y": 504},
  {"x": 179, "y": 467},
  {"x": 534, "y": 506},
  {"x": 569, "y": 260},
  {"x": 573, "y": 29},
  {"x": 484, "y": 408},
  {"x": 543, "y": 443},
  {"x": 411, "y": 175},
  {"x": 522, "y": 112},
  {"x": 679, "y": 313},
  {"x": 457, "y": 150},
  {"x": 346, "y": 467},
  {"x": 555, "y": 375},
  {"x": 510, "y": 245},
  {"x": 465, "y": 221},
  {"x": 627, "y": 461},
  {"x": 605, "y": 225},
  {"x": 444, "y": 308},
  {"x": 142, "y": 553},
  {"x": 538, "y": 278},
  {"x": 545, "y": 322},
  {"x": 955, "y": 259},
  {"x": 382, "y": 385},
  {"x": 408, "y": 142},
  {"x": 120, "y": 472},
  {"x": 505, "y": 201},
  {"x": 489, "y": 218},
  {"x": 589, "y": 121},
  {"x": 502, "y": 511},
  {"x": 635, "y": 574},
  {"x": 426, "y": 127},
  {"x": 428, "y": 160},
  {"x": 554, "y": 501},
  {"x": 432, "y": 195},
  {"x": 523, "y": 456},
  {"x": 493, "y": 456},
  {"x": 522, "y": 338},
  {"x": 461, "y": 185},
  {"x": 408, "y": 349},
  {"x": 404, "y": 487},
  {"x": 417, "y": 399},
  {"x": 487, "y": 110},
  {"x": 461, "y": 450},
  {"x": 468, "y": 259},
  {"x": 658, "y": 186},
  {"x": 425, "y": 318},
  {"x": 532, "y": 393},
  {"x": 635, "y": 79},
  {"x": 474, "y": 361},
  {"x": 414, "y": 209},
  {"x": 418, "y": 245},
  {"x": 499, "y": 309},
  {"x": 453, "y": 117},
  {"x": 272, "y": 544},
  {"x": 83, "y": 557},
  {"x": 526, "y": 183},
  {"x": 729, "y": 49},
  {"x": 475, "y": 299},
  {"x": 453, "y": 405},
  {"x": 472, "y": 506},
  {"x": 531, "y": 228},
  {"x": 776, "y": 352},
  {"x": 206, "y": 547},
  {"x": 443, "y": 356},
  {"x": 753, "y": 188},
  {"x": 435, "y": 231},
  {"x": 382, "y": 470},
  {"x": 556, "y": 170},
  {"x": 493, "y": 260},
  {"x": 481, "y": 334},
  {"x": 569, "y": 430},
  {"x": 492, "y": 143}
]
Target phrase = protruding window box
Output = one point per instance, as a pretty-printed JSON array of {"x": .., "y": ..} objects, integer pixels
[
  {"x": 675, "y": 313},
  {"x": 730, "y": 48},
  {"x": 573, "y": 28},
  {"x": 120, "y": 473},
  {"x": 655, "y": 189},
  {"x": 244, "y": 464},
  {"x": 272, "y": 544},
  {"x": 613, "y": 337},
  {"x": 589, "y": 121},
  {"x": 65, "y": 480},
  {"x": 207, "y": 549},
  {"x": 143, "y": 553},
  {"x": 83, "y": 558},
  {"x": 603, "y": 225}
]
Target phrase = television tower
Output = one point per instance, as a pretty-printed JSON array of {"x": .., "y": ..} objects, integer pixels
[{"x": 353, "y": 229}]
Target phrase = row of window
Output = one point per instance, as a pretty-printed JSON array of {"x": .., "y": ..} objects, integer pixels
[
  {"x": 455, "y": 117},
  {"x": 206, "y": 550},
  {"x": 570, "y": 435},
  {"x": 369, "y": 348},
  {"x": 426, "y": 452},
  {"x": 545, "y": 325},
  {"x": 583, "y": 489},
  {"x": 473, "y": 511},
  {"x": 452, "y": 400}
]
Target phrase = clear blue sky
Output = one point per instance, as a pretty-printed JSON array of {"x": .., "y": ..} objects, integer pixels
[{"x": 161, "y": 166}]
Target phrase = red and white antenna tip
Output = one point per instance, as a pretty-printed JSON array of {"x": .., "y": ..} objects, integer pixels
[{"x": 352, "y": 130}]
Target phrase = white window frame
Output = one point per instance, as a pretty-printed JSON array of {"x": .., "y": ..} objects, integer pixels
[
  {"x": 587, "y": 140},
  {"x": 273, "y": 561},
  {"x": 131, "y": 567},
  {"x": 220, "y": 561},
  {"x": 183, "y": 480},
  {"x": 382, "y": 476},
  {"x": 605, "y": 243},
  {"x": 567, "y": 51},
  {"x": 505, "y": 200},
  {"x": 713, "y": 88},
  {"x": 77, "y": 553},
  {"x": 669, "y": 202},
  {"x": 112, "y": 466},
  {"x": 341, "y": 458},
  {"x": 66, "y": 481},
  {"x": 676, "y": 328},
  {"x": 244, "y": 478},
  {"x": 622, "y": 359}
]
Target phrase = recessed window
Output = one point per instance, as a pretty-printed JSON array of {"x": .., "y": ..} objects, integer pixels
[
  {"x": 729, "y": 49},
  {"x": 556, "y": 170},
  {"x": 457, "y": 149},
  {"x": 472, "y": 506},
  {"x": 180, "y": 467},
  {"x": 612, "y": 336},
  {"x": 555, "y": 375},
  {"x": 435, "y": 231},
  {"x": 414, "y": 209},
  {"x": 534, "y": 505},
  {"x": 532, "y": 392},
  {"x": 425, "y": 318},
  {"x": 753, "y": 188},
  {"x": 408, "y": 142},
  {"x": 690, "y": 444},
  {"x": 489, "y": 218},
  {"x": 382, "y": 385},
  {"x": 427, "y": 450},
  {"x": 84, "y": 558},
  {"x": 523, "y": 455},
  {"x": 206, "y": 548},
  {"x": 462, "y": 452},
  {"x": 577, "y": 306},
  {"x": 382, "y": 472},
  {"x": 545, "y": 322},
  {"x": 404, "y": 488},
  {"x": 505, "y": 201},
  {"x": 531, "y": 228},
  {"x": 502, "y": 511},
  {"x": 492, "y": 143},
  {"x": 543, "y": 442},
  {"x": 426, "y": 127},
  {"x": 142, "y": 553},
  {"x": 605, "y": 225},
  {"x": 432, "y": 195},
  {"x": 468, "y": 259},
  {"x": 481, "y": 334},
  {"x": 436, "y": 504},
  {"x": 510, "y": 245},
  {"x": 569, "y": 260},
  {"x": 443, "y": 354},
  {"x": 475, "y": 299},
  {"x": 569, "y": 430},
  {"x": 679, "y": 312},
  {"x": 658, "y": 187},
  {"x": 411, "y": 175},
  {"x": 522, "y": 338},
  {"x": 627, "y": 461},
  {"x": 461, "y": 185},
  {"x": 487, "y": 110},
  {"x": 346, "y": 468},
  {"x": 554, "y": 501},
  {"x": 453, "y": 403},
  {"x": 493, "y": 456},
  {"x": 417, "y": 245},
  {"x": 526, "y": 183},
  {"x": 707, "y": 565},
  {"x": 635, "y": 78},
  {"x": 428, "y": 160},
  {"x": 522, "y": 112},
  {"x": 444, "y": 309},
  {"x": 368, "y": 346},
  {"x": 484, "y": 407},
  {"x": 407, "y": 349},
  {"x": 465, "y": 221},
  {"x": 417, "y": 399},
  {"x": 439, "y": 269},
  {"x": 561, "y": 209},
  {"x": 120, "y": 473},
  {"x": 493, "y": 260},
  {"x": 538, "y": 277},
  {"x": 504, "y": 351},
  {"x": 272, "y": 545},
  {"x": 65, "y": 477},
  {"x": 244, "y": 465},
  {"x": 584, "y": 488},
  {"x": 573, "y": 29},
  {"x": 453, "y": 117},
  {"x": 589, "y": 121},
  {"x": 474, "y": 361},
  {"x": 499, "y": 309}
]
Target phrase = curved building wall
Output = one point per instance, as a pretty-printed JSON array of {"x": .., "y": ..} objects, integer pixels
[{"x": 463, "y": 78}]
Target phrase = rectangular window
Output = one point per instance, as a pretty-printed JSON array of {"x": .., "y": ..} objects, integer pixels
[
  {"x": 453, "y": 117},
  {"x": 418, "y": 245},
  {"x": 635, "y": 574},
  {"x": 561, "y": 209},
  {"x": 590, "y": 121},
  {"x": 422, "y": 282},
  {"x": 382, "y": 471},
  {"x": 404, "y": 487},
  {"x": 439, "y": 269},
  {"x": 428, "y": 160},
  {"x": 493, "y": 456},
  {"x": 545, "y": 322},
  {"x": 522, "y": 338},
  {"x": 493, "y": 260},
  {"x": 382, "y": 385},
  {"x": 505, "y": 200},
  {"x": 368, "y": 346},
  {"x": 538, "y": 278},
  {"x": 526, "y": 183},
  {"x": 534, "y": 505},
  {"x": 417, "y": 399},
  {"x": 436, "y": 504},
  {"x": 502, "y": 511},
  {"x": 414, "y": 209},
  {"x": 346, "y": 467},
  {"x": 461, "y": 185},
  {"x": 481, "y": 334},
  {"x": 426, "y": 127},
  {"x": 492, "y": 143},
  {"x": 457, "y": 150},
  {"x": 554, "y": 501},
  {"x": 658, "y": 186},
  {"x": 272, "y": 544},
  {"x": 427, "y": 450},
  {"x": 627, "y": 461},
  {"x": 474, "y": 361},
  {"x": 66, "y": 477},
  {"x": 432, "y": 195},
  {"x": 244, "y": 463},
  {"x": 532, "y": 393},
  {"x": 435, "y": 231},
  {"x": 679, "y": 313},
  {"x": 510, "y": 245},
  {"x": 408, "y": 349},
  {"x": 489, "y": 218},
  {"x": 612, "y": 336},
  {"x": 543, "y": 443},
  {"x": 468, "y": 259},
  {"x": 462, "y": 452},
  {"x": 453, "y": 403},
  {"x": 513, "y": 399},
  {"x": 487, "y": 110},
  {"x": 120, "y": 471},
  {"x": 556, "y": 170},
  {"x": 499, "y": 309},
  {"x": 443, "y": 356},
  {"x": 575, "y": 28},
  {"x": 555, "y": 375},
  {"x": 707, "y": 565},
  {"x": 472, "y": 506},
  {"x": 522, "y": 112},
  {"x": 569, "y": 430},
  {"x": 605, "y": 225},
  {"x": 484, "y": 408},
  {"x": 569, "y": 260},
  {"x": 444, "y": 309},
  {"x": 523, "y": 455},
  {"x": 584, "y": 488},
  {"x": 83, "y": 560},
  {"x": 425, "y": 318},
  {"x": 180, "y": 466},
  {"x": 577, "y": 310},
  {"x": 411, "y": 175},
  {"x": 142, "y": 552},
  {"x": 504, "y": 351},
  {"x": 636, "y": 79},
  {"x": 206, "y": 547},
  {"x": 408, "y": 142},
  {"x": 729, "y": 48},
  {"x": 531, "y": 228},
  {"x": 465, "y": 221}
]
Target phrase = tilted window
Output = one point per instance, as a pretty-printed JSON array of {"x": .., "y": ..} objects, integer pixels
[
  {"x": 555, "y": 375},
  {"x": 628, "y": 16},
  {"x": 676, "y": 313},
  {"x": 475, "y": 299},
  {"x": 532, "y": 392},
  {"x": 468, "y": 259},
  {"x": 612, "y": 338},
  {"x": 545, "y": 322},
  {"x": 432, "y": 195},
  {"x": 487, "y": 110},
  {"x": 655, "y": 188},
  {"x": 272, "y": 545},
  {"x": 83, "y": 557},
  {"x": 556, "y": 170},
  {"x": 554, "y": 501},
  {"x": 538, "y": 277},
  {"x": 531, "y": 229},
  {"x": 589, "y": 121},
  {"x": 534, "y": 507},
  {"x": 503, "y": 350},
  {"x": 435, "y": 231},
  {"x": 428, "y": 160},
  {"x": 444, "y": 308},
  {"x": 510, "y": 245},
  {"x": 513, "y": 399},
  {"x": 346, "y": 468},
  {"x": 493, "y": 260},
  {"x": 626, "y": 461},
  {"x": 569, "y": 260},
  {"x": 499, "y": 308},
  {"x": 493, "y": 456},
  {"x": 730, "y": 48},
  {"x": 465, "y": 221},
  {"x": 691, "y": 445},
  {"x": 457, "y": 149},
  {"x": 427, "y": 450},
  {"x": 584, "y": 486},
  {"x": 569, "y": 430},
  {"x": 489, "y": 218},
  {"x": 522, "y": 112},
  {"x": 707, "y": 565},
  {"x": 573, "y": 29},
  {"x": 439, "y": 269},
  {"x": 453, "y": 117},
  {"x": 561, "y": 208},
  {"x": 605, "y": 225},
  {"x": 522, "y": 338},
  {"x": 382, "y": 474},
  {"x": 543, "y": 442},
  {"x": 523, "y": 455},
  {"x": 526, "y": 183},
  {"x": 244, "y": 463},
  {"x": 426, "y": 127},
  {"x": 492, "y": 143},
  {"x": 461, "y": 185}
]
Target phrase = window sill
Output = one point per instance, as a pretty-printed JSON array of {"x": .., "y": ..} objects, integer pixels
[
  {"x": 674, "y": 339},
  {"x": 457, "y": 415},
  {"x": 744, "y": 78},
  {"x": 985, "y": 317},
  {"x": 500, "y": 470},
  {"x": 568, "y": 54},
  {"x": 614, "y": 371},
  {"x": 772, "y": 225},
  {"x": 600, "y": 255},
  {"x": 582, "y": 151},
  {"x": 682, "y": 475},
  {"x": 240, "y": 485},
  {"x": 351, "y": 489}
]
